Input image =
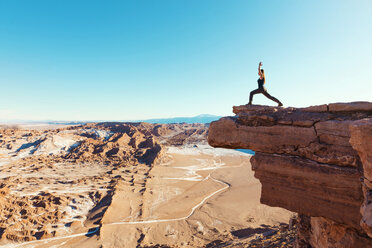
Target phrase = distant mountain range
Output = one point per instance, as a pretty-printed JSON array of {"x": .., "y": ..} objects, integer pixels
[{"x": 204, "y": 118}]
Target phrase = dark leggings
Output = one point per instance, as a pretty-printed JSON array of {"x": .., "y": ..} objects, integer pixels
[{"x": 264, "y": 92}]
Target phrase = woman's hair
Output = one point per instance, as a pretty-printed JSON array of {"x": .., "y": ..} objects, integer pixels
[{"x": 262, "y": 70}]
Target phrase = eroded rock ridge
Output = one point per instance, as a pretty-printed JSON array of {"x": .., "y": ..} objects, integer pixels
[
  {"x": 60, "y": 181},
  {"x": 316, "y": 161}
]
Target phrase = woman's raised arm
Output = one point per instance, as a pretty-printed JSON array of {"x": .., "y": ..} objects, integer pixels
[{"x": 259, "y": 68}]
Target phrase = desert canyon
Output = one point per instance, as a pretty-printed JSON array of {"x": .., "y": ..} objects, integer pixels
[
  {"x": 131, "y": 185},
  {"x": 307, "y": 184}
]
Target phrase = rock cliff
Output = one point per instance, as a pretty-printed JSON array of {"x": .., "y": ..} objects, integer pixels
[{"x": 316, "y": 161}]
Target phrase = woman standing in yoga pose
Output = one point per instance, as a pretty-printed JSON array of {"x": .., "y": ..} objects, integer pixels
[{"x": 261, "y": 88}]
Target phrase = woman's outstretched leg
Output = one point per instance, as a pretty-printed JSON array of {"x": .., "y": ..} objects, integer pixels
[
  {"x": 253, "y": 92},
  {"x": 265, "y": 93}
]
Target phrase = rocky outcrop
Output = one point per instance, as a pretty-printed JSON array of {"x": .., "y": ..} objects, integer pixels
[
  {"x": 361, "y": 140},
  {"x": 316, "y": 161},
  {"x": 61, "y": 181}
]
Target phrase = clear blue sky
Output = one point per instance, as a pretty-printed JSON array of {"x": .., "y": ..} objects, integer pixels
[{"x": 121, "y": 60}]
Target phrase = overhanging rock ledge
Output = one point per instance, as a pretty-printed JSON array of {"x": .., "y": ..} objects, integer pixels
[{"x": 316, "y": 161}]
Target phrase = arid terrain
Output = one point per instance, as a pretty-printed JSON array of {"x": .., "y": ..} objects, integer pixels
[{"x": 131, "y": 185}]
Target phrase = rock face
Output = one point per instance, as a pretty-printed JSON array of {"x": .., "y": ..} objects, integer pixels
[
  {"x": 361, "y": 140},
  {"x": 316, "y": 161}
]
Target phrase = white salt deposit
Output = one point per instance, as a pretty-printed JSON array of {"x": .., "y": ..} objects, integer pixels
[
  {"x": 79, "y": 208},
  {"x": 204, "y": 149},
  {"x": 56, "y": 144},
  {"x": 99, "y": 133}
]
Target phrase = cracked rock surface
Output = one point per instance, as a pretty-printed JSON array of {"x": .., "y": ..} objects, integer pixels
[{"x": 315, "y": 161}]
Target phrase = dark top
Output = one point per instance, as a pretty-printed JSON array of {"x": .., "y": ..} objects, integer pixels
[{"x": 261, "y": 83}]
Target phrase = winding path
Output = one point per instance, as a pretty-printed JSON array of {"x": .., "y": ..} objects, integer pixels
[{"x": 97, "y": 228}]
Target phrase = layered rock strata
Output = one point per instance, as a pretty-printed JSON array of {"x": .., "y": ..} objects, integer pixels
[{"x": 316, "y": 161}]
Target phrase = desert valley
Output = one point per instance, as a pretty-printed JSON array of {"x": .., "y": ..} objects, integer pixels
[
  {"x": 185, "y": 124},
  {"x": 131, "y": 185}
]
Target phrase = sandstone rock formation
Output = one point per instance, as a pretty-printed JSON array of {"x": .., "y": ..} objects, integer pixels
[
  {"x": 361, "y": 140},
  {"x": 65, "y": 177},
  {"x": 316, "y": 161}
]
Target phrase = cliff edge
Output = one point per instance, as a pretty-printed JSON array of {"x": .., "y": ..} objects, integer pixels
[{"x": 316, "y": 161}]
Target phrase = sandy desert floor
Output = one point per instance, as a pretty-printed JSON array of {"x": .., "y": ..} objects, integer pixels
[{"x": 192, "y": 196}]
